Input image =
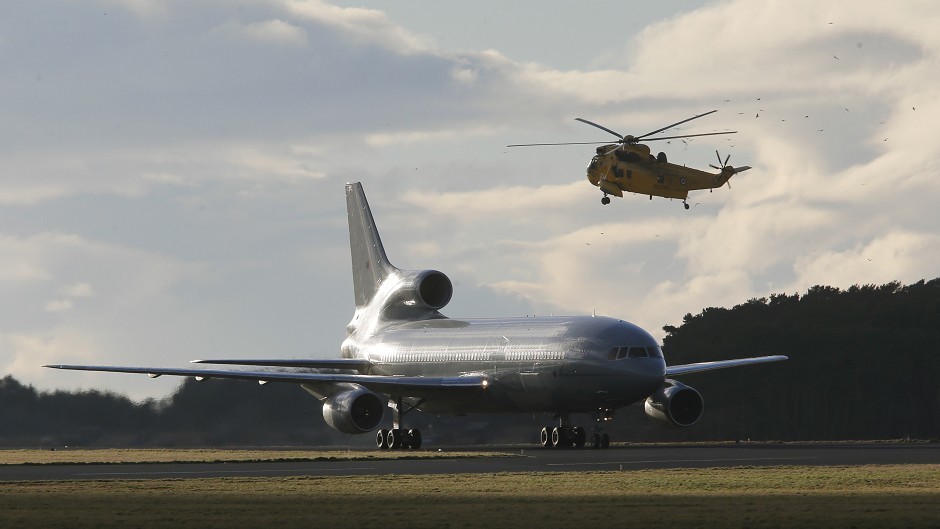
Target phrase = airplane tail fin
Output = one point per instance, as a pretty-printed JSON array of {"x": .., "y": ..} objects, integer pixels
[{"x": 370, "y": 265}]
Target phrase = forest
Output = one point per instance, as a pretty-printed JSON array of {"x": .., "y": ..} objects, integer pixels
[{"x": 863, "y": 364}]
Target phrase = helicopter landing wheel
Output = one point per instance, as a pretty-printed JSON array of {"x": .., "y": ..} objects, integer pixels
[
  {"x": 605, "y": 200},
  {"x": 685, "y": 205}
]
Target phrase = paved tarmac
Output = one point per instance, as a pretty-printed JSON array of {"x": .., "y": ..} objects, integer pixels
[{"x": 534, "y": 459}]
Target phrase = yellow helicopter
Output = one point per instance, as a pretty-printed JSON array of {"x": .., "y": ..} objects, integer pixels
[{"x": 628, "y": 165}]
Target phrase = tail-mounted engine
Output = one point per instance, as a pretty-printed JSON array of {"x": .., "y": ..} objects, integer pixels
[
  {"x": 675, "y": 404},
  {"x": 354, "y": 411},
  {"x": 421, "y": 290}
]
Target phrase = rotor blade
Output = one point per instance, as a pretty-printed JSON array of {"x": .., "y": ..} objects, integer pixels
[
  {"x": 719, "y": 159},
  {"x": 565, "y": 143},
  {"x": 714, "y": 167},
  {"x": 726, "y": 160},
  {"x": 687, "y": 136},
  {"x": 591, "y": 123},
  {"x": 676, "y": 123}
]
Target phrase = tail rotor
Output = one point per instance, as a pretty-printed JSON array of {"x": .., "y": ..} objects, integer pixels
[{"x": 724, "y": 166}]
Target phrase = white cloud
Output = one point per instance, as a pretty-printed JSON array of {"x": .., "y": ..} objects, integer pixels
[
  {"x": 79, "y": 290},
  {"x": 898, "y": 256},
  {"x": 364, "y": 25},
  {"x": 270, "y": 31},
  {"x": 209, "y": 136},
  {"x": 59, "y": 305}
]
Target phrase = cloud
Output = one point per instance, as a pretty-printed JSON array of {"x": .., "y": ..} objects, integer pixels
[
  {"x": 898, "y": 256},
  {"x": 363, "y": 25},
  {"x": 173, "y": 170},
  {"x": 59, "y": 305},
  {"x": 276, "y": 32}
]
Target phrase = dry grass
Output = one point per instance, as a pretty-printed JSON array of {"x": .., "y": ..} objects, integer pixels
[
  {"x": 120, "y": 455},
  {"x": 836, "y": 497}
]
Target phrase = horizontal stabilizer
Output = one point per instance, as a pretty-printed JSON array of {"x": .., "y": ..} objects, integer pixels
[
  {"x": 720, "y": 364},
  {"x": 741, "y": 169}
]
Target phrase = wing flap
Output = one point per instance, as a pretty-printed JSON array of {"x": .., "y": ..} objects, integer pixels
[
  {"x": 362, "y": 366},
  {"x": 720, "y": 364}
]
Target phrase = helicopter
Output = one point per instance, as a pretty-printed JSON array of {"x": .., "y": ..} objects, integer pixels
[{"x": 628, "y": 165}]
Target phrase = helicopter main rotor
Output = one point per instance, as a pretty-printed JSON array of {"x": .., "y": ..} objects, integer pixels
[{"x": 630, "y": 139}]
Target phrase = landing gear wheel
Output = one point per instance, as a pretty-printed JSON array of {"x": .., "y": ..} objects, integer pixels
[
  {"x": 394, "y": 439},
  {"x": 414, "y": 439},
  {"x": 578, "y": 436},
  {"x": 560, "y": 437},
  {"x": 545, "y": 437},
  {"x": 686, "y": 205},
  {"x": 605, "y": 440},
  {"x": 381, "y": 439},
  {"x": 605, "y": 200}
]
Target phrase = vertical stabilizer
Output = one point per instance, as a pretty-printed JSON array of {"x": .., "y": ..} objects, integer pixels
[{"x": 370, "y": 266}]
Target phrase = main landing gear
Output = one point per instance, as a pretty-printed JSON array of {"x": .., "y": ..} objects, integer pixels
[
  {"x": 398, "y": 437},
  {"x": 605, "y": 200},
  {"x": 566, "y": 436}
]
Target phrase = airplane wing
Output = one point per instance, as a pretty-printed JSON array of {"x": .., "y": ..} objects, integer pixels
[
  {"x": 354, "y": 364},
  {"x": 720, "y": 364},
  {"x": 390, "y": 385}
]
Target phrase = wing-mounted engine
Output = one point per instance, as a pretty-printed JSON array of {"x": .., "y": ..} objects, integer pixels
[
  {"x": 417, "y": 294},
  {"x": 675, "y": 404},
  {"x": 355, "y": 411}
]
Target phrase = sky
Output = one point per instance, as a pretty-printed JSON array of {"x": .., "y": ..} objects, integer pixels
[{"x": 171, "y": 172}]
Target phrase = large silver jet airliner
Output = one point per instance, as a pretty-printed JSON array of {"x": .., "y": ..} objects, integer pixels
[{"x": 402, "y": 353}]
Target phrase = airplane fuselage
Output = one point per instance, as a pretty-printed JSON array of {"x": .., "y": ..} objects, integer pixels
[{"x": 547, "y": 364}]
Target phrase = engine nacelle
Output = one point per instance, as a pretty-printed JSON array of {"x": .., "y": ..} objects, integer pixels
[
  {"x": 424, "y": 289},
  {"x": 675, "y": 404},
  {"x": 354, "y": 411}
]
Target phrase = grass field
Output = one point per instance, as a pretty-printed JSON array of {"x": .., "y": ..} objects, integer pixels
[
  {"x": 158, "y": 455},
  {"x": 832, "y": 497}
]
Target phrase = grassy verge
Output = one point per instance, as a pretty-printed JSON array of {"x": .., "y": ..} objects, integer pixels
[
  {"x": 120, "y": 455},
  {"x": 835, "y": 497}
]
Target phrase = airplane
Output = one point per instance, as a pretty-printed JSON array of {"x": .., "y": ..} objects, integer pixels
[
  {"x": 628, "y": 165},
  {"x": 401, "y": 353}
]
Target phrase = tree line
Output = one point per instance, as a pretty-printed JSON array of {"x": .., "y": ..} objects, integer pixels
[{"x": 863, "y": 364}]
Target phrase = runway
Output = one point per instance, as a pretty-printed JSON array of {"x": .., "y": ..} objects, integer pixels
[{"x": 532, "y": 459}]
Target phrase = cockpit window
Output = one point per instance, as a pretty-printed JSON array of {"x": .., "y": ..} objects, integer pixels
[{"x": 619, "y": 353}]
